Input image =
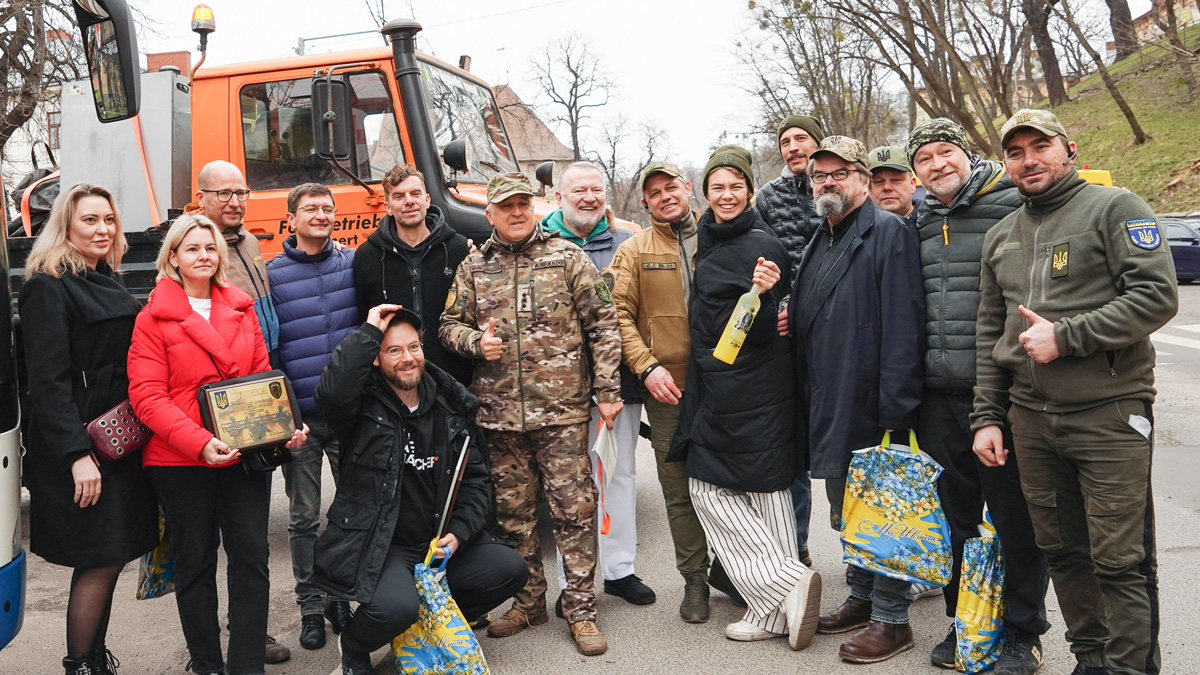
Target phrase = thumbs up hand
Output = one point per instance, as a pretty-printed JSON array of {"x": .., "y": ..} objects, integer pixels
[
  {"x": 1039, "y": 340},
  {"x": 491, "y": 345}
]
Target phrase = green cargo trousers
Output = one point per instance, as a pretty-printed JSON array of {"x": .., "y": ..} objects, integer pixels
[
  {"x": 691, "y": 548},
  {"x": 1086, "y": 478}
]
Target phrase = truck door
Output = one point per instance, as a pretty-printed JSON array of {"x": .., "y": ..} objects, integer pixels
[{"x": 273, "y": 134}]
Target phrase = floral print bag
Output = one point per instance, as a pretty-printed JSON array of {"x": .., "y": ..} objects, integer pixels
[
  {"x": 441, "y": 641},
  {"x": 978, "y": 618},
  {"x": 892, "y": 519}
]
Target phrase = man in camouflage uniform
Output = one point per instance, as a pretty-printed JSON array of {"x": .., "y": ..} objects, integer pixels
[{"x": 521, "y": 306}]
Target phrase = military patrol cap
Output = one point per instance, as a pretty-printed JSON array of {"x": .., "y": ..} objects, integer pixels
[
  {"x": 887, "y": 157},
  {"x": 809, "y": 124},
  {"x": 734, "y": 157},
  {"x": 847, "y": 148},
  {"x": 504, "y": 185},
  {"x": 1042, "y": 120},
  {"x": 652, "y": 168},
  {"x": 405, "y": 315},
  {"x": 934, "y": 130}
]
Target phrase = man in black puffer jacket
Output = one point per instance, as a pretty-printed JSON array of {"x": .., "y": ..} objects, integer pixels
[
  {"x": 786, "y": 205},
  {"x": 410, "y": 261},
  {"x": 967, "y": 197},
  {"x": 403, "y": 427}
]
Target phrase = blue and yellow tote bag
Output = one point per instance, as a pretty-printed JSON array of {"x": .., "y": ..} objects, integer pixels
[
  {"x": 440, "y": 642},
  {"x": 892, "y": 519},
  {"x": 978, "y": 619}
]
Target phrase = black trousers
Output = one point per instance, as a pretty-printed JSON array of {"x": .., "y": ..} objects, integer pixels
[
  {"x": 206, "y": 506},
  {"x": 945, "y": 434},
  {"x": 480, "y": 576}
]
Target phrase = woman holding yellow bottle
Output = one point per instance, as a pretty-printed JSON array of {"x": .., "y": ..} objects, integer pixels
[{"x": 737, "y": 426}]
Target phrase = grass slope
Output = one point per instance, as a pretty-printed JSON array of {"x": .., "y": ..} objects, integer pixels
[{"x": 1156, "y": 92}]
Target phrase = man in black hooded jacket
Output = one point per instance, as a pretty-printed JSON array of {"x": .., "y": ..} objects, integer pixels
[
  {"x": 410, "y": 261},
  {"x": 403, "y": 427}
]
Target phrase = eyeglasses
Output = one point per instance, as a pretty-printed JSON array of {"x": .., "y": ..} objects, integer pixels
[
  {"x": 226, "y": 195},
  {"x": 310, "y": 210},
  {"x": 819, "y": 177},
  {"x": 394, "y": 352}
]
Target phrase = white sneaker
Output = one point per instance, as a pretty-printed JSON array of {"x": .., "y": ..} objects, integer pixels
[
  {"x": 744, "y": 631},
  {"x": 802, "y": 606},
  {"x": 926, "y": 591}
]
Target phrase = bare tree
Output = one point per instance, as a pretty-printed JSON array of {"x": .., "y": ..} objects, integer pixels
[
  {"x": 1139, "y": 136},
  {"x": 957, "y": 58},
  {"x": 1037, "y": 13},
  {"x": 39, "y": 49},
  {"x": 814, "y": 61},
  {"x": 621, "y": 164},
  {"x": 571, "y": 76},
  {"x": 1121, "y": 21},
  {"x": 1168, "y": 23}
]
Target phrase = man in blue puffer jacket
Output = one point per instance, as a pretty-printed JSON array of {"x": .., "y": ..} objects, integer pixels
[{"x": 313, "y": 287}]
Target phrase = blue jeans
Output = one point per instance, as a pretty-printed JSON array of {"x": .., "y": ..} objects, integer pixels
[
  {"x": 802, "y": 505},
  {"x": 889, "y": 597},
  {"x": 302, "y": 481}
]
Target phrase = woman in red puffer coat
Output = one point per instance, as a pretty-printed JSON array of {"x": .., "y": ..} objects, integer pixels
[{"x": 196, "y": 329}]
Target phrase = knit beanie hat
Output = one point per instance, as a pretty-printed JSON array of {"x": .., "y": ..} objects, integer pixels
[
  {"x": 730, "y": 156},
  {"x": 934, "y": 130},
  {"x": 810, "y": 124}
]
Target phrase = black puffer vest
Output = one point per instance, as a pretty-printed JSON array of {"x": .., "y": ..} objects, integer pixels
[{"x": 786, "y": 204}]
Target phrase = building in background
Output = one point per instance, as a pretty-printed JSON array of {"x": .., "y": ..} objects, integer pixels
[{"x": 531, "y": 139}]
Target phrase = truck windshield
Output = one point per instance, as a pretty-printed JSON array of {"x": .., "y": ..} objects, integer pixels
[
  {"x": 460, "y": 108},
  {"x": 278, "y": 137}
]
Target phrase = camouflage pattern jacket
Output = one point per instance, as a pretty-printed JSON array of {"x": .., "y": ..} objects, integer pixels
[{"x": 545, "y": 295}]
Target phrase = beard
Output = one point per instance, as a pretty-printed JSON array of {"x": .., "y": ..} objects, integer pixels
[
  {"x": 948, "y": 190},
  {"x": 405, "y": 380},
  {"x": 581, "y": 221},
  {"x": 831, "y": 202}
]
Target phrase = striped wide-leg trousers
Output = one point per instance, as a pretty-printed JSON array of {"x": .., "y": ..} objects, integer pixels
[{"x": 754, "y": 535}]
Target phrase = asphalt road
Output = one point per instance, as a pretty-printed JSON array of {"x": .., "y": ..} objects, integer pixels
[{"x": 145, "y": 635}]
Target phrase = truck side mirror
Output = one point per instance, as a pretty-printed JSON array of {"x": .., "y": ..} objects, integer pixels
[
  {"x": 110, "y": 45},
  {"x": 545, "y": 173},
  {"x": 455, "y": 155},
  {"x": 332, "y": 118}
]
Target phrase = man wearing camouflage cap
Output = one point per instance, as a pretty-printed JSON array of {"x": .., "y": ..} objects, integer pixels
[
  {"x": 533, "y": 312},
  {"x": 855, "y": 317},
  {"x": 892, "y": 182},
  {"x": 651, "y": 275},
  {"x": 1073, "y": 283},
  {"x": 967, "y": 196},
  {"x": 786, "y": 204}
]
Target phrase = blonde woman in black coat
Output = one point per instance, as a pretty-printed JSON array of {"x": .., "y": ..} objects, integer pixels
[{"x": 76, "y": 321}]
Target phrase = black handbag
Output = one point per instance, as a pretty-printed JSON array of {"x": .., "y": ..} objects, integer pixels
[{"x": 257, "y": 414}]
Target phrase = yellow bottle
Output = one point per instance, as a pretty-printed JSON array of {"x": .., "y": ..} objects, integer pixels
[{"x": 739, "y": 325}]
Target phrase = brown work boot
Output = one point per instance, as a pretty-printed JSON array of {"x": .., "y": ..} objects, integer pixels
[
  {"x": 853, "y": 613},
  {"x": 877, "y": 642},
  {"x": 514, "y": 621},
  {"x": 588, "y": 638}
]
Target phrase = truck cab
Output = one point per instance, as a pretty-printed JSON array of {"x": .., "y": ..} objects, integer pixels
[{"x": 261, "y": 117}]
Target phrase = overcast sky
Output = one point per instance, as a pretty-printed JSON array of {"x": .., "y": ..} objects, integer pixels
[{"x": 673, "y": 60}]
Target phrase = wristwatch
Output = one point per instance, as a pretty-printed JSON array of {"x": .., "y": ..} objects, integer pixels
[{"x": 646, "y": 372}]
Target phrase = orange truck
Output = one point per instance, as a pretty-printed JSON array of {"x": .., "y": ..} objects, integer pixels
[{"x": 338, "y": 119}]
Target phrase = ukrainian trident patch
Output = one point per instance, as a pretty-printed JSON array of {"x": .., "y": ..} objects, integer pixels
[{"x": 1144, "y": 233}]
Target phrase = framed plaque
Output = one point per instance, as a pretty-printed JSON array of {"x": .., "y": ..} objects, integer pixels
[{"x": 252, "y": 412}]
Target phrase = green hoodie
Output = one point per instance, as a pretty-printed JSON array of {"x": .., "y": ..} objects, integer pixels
[
  {"x": 554, "y": 223},
  {"x": 1093, "y": 261}
]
